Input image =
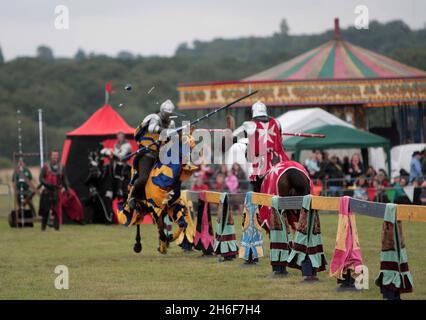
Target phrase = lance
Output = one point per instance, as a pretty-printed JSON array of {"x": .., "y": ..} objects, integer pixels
[
  {"x": 208, "y": 115},
  {"x": 305, "y": 135},
  {"x": 295, "y": 134}
]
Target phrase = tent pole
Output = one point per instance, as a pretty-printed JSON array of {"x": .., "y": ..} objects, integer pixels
[{"x": 388, "y": 159}]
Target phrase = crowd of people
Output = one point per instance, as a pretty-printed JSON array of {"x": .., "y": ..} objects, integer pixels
[
  {"x": 53, "y": 185},
  {"x": 220, "y": 178},
  {"x": 333, "y": 175},
  {"x": 336, "y": 175},
  {"x": 109, "y": 181}
]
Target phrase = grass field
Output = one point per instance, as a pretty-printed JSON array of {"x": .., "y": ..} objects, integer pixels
[{"x": 102, "y": 265}]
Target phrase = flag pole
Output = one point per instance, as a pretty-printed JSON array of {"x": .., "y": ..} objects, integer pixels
[
  {"x": 40, "y": 133},
  {"x": 108, "y": 90},
  {"x": 21, "y": 190}
]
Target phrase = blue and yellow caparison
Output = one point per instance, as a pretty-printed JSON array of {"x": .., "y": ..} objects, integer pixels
[{"x": 163, "y": 189}]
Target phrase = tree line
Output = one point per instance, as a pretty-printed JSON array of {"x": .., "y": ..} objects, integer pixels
[{"x": 70, "y": 89}]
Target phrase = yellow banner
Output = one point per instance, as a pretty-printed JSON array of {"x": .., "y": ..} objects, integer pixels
[{"x": 294, "y": 93}]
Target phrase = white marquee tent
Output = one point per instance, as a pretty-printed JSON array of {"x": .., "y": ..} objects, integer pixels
[{"x": 305, "y": 119}]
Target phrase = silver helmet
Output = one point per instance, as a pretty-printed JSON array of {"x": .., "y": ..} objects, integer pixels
[
  {"x": 167, "y": 109},
  {"x": 259, "y": 109}
]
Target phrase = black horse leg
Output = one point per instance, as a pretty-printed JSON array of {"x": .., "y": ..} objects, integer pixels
[
  {"x": 257, "y": 184},
  {"x": 294, "y": 183},
  {"x": 138, "y": 245},
  {"x": 297, "y": 184},
  {"x": 163, "y": 239}
]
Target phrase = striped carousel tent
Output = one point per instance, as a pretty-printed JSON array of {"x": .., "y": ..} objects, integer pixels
[
  {"x": 338, "y": 59},
  {"x": 338, "y": 76}
]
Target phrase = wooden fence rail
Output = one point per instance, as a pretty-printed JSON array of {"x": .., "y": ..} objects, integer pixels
[{"x": 368, "y": 208}]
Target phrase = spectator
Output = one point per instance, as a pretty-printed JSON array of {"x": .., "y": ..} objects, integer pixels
[
  {"x": 381, "y": 183},
  {"x": 382, "y": 179},
  {"x": 424, "y": 162},
  {"x": 346, "y": 166},
  {"x": 223, "y": 169},
  {"x": 199, "y": 183},
  {"x": 311, "y": 165},
  {"x": 322, "y": 158},
  {"x": 416, "y": 173},
  {"x": 231, "y": 182},
  {"x": 361, "y": 186},
  {"x": 370, "y": 175},
  {"x": 237, "y": 171},
  {"x": 400, "y": 196},
  {"x": 404, "y": 174},
  {"x": 220, "y": 183},
  {"x": 206, "y": 171},
  {"x": 334, "y": 172},
  {"x": 241, "y": 176},
  {"x": 356, "y": 168},
  {"x": 325, "y": 156}
]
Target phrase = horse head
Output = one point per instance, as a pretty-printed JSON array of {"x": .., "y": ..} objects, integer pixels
[{"x": 188, "y": 143}]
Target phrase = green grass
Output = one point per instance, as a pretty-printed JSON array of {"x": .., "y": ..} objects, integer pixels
[{"x": 102, "y": 265}]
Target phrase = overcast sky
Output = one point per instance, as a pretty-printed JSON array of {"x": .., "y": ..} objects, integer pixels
[{"x": 159, "y": 26}]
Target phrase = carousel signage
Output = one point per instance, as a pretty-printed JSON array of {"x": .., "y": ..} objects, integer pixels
[{"x": 293, "y": 93}]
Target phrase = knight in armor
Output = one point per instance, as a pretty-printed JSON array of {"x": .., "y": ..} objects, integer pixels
[
  {"x": 53, "y": 179},
  {"x": 264, "y": 143},
  {"x": 119, "y": 168},
  {"x": 147, "y": 136}
]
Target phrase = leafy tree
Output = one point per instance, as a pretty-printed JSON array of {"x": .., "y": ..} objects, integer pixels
[
  {"x": 284, "y": 29},
  {"x": 44, "y": 53},
  {"x": 125, "y": 55},
  {"x": 1, "y": 56},
  {"x": 80, "y": 55}
]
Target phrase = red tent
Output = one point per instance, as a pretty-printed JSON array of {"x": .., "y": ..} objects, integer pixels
[
  {"x": 105, "y": 121},
  {"x": 101, "y": 127}
]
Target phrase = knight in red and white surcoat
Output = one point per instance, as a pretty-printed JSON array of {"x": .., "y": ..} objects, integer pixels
[{"x": 264, "y": 143}]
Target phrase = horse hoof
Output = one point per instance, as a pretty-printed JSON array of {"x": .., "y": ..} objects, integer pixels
[
  {"x": 347, "y": 288},
  {"x": 207, "y": 255},
  {"x": 161, "y": 251},
  {"x": 137, "y": 247},
  {"x": 279, "y": 274},
  {"x": 311, "y": 279}
]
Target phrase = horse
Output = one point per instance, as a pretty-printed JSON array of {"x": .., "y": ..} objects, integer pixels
[
  {"x": 287, "y": 179},
  {"x": 163, "y": 196},
  {"x": 293, "y": 182}
]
